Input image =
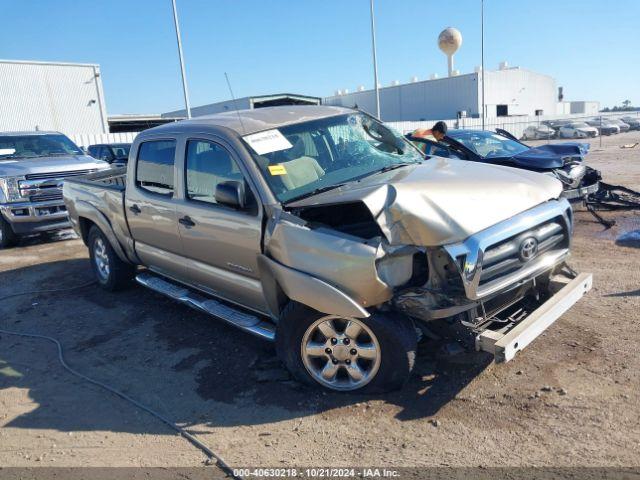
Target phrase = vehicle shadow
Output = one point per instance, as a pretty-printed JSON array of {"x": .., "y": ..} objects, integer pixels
[
  {"x": 182, "y": 363},
  {"x": 46, "y": 237}
]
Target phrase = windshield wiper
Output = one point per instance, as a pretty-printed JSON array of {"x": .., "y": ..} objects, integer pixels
[
  {"x": 315, "y": 192},
  {"x": 394, "y": 166}
]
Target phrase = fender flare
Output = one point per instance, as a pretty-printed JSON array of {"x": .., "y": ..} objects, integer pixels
[
  {"x": 87, "y": 211},
  {"x": 278, "y": 279}
]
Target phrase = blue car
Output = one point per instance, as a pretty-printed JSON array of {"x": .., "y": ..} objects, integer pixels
[{"x": 565, "y": 161}]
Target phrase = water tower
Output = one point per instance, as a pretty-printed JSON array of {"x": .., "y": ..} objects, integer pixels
[{"x": 449, "y": 42}]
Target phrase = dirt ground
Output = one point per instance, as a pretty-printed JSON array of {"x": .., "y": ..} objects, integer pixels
[{"x": 572, "y": 398}]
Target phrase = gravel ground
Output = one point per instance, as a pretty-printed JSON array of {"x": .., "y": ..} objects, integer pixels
[{"x": 570, "y": 399}]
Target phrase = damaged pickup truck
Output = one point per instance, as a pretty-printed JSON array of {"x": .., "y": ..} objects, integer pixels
[{"x": 325, "y": 231}]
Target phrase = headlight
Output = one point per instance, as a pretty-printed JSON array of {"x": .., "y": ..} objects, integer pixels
[{"x": 11, "y": 189}]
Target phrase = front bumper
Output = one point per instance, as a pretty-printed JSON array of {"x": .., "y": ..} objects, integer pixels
[
  {"x": 581, "y": 192},
  {"x": 505, "y": 343},
  {"x": 34, "y": 217}
]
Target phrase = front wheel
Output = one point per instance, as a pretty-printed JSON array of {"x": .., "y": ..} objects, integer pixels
[
  {"x": 7, "y": 237},
  {"x": 111, "y": 272},
  {"x": 374, "y": 354}
]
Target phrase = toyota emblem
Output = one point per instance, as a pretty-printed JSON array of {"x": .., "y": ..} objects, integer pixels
[{"x": 528, "y": 249}]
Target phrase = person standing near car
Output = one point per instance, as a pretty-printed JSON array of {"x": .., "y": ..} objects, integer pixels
[{"x": 434, "y": 134}]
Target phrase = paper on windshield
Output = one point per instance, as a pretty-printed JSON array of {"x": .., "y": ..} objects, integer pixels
[
  {"x": 267, "y": 142},
  {"x": 7, "y": 151}
]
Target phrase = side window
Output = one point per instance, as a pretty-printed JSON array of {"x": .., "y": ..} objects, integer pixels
[
  {"x": 93, "y": 151},
  {"x": 207, "y": 165},
  {"x": 154, "y": 169}
]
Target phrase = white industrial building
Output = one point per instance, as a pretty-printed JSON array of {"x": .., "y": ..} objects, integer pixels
[
  {"x": 66, "y": 97},
  {"x": 247, "y": 103},
  {"x": 509, "y": 91}
]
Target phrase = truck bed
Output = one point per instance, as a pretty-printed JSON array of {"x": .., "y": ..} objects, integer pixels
[
  {"x": 99, "y": 198},
  {"x": 114, "y": 178}
]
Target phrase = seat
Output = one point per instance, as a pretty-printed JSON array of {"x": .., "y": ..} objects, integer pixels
[{"x": 301, "y": 169}]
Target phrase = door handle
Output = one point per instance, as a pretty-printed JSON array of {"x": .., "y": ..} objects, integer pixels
[
  {"x": 187, "y": 222},
  {"x": 135, "y": 209}
]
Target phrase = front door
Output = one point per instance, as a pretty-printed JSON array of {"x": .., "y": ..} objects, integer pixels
[
  {"x": 221, "y": 244},
  {"x": 151, "y": 208}
]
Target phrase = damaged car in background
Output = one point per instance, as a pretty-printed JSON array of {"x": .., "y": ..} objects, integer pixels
[
  {"x": 564, "y": 161},
  {"x": 323, "y": 230}
]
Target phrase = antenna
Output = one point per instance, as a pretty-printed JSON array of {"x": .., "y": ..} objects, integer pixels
[{"x": 235, "y": 105}]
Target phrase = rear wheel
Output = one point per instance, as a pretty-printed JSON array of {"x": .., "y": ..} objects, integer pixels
[
  {"x": 110, "y": 271},
  {"x": 7, "y": 237},
  {"x": 374, "y": 354}
]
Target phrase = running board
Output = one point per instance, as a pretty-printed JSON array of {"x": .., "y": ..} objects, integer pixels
[{"x": 238, "y": 318}]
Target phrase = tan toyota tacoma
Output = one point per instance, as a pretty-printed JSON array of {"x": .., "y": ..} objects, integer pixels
[{"x": 329, "y": 233}]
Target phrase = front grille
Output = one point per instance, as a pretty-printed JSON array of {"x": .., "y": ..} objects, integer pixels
[
  {"x": 45, "y": 176},
  {"x": 46, "y": 187},
  {"x": 46, "y": 196},
  {"x": 507, "y": 256}
]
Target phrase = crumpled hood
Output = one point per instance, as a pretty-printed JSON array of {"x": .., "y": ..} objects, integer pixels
[
  {"x": 67, "y": 163},
  {"x": 442, "y": 201},
  {"x": 550, "y": 156}
]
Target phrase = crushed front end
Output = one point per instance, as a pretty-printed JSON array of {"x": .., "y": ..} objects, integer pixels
[{"x": 506, "y": 284}]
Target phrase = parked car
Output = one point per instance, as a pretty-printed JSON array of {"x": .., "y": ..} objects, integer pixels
[
  {"x": 322, "y": 229},
  {"x": 624, "y": 127},
  {"x": 577, "y": 130},
  {"x": 538, "y": 132},
  {"x": 556, "y": 124},
  {"x": 115, "y": 154},
  {"x": 633, "y": 122},
  {"x": 33, "y": 166},
  {"x": 564, "y": 161},
  {"x": 604, "y": 126}
]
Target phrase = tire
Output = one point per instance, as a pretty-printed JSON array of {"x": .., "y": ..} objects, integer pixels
[
  {"x": 386, "y": 349},
  {"x": 7, "y": 237},
  {"x": 111, "y": 272}
]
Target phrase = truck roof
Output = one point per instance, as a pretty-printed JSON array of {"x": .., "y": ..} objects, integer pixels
[{"x": 244, "y": 122}]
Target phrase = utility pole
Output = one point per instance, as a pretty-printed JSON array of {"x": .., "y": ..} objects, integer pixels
[
  {"x": 484, "y": 114},
  {"x": 185, "y": 90},
  {"x": 375, "y": 62}
]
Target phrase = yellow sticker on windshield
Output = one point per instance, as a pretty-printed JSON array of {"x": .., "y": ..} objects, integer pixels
[{"x": 277, "y": 170}]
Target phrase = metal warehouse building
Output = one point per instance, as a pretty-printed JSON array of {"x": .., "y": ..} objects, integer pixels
[
  {"x": 509, "y": 91},
  {"x": 66, "y": 97},
  {"x": 247, "y": 103}
]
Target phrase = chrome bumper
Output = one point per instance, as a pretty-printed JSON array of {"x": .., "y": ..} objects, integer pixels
[
  {"x": 26, "y": 217},
  {"x": 505, "y": 345}
]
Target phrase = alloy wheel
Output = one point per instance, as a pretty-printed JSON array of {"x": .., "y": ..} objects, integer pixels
[
  {"x": 341, "y": 353},
  {"x": 101, "y": 258}
]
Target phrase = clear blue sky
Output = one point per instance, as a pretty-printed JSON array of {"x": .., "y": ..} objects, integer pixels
[{"x": 592, "y": 47}]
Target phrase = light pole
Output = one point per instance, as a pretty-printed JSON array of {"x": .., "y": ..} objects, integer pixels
[
  {"x": 482, "y": 58},
  {"x": 185, "y": 90},
  {"x": 375, "y": 62}
]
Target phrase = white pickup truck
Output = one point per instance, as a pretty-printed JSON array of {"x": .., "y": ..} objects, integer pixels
[
  {"x": 324, "y": 230},
  {"x": 33, "y": 166}
]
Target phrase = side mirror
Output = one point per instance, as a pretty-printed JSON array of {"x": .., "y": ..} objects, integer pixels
[{"x": 231, "y": 194}]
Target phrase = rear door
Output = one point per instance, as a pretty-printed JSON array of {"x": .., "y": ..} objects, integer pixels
[
  {"x": 221, "y": 244},
  {"x": 151, "y": 207}
]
